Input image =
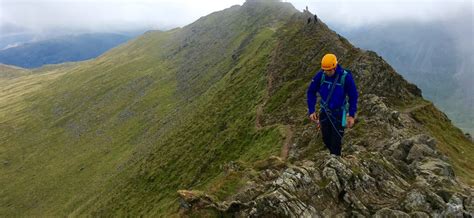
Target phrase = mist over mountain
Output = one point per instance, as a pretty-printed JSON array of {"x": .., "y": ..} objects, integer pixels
[{"x": 438, "y": 56}]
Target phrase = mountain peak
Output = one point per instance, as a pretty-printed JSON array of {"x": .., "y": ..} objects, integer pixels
[{"x": 249, "y": 2}]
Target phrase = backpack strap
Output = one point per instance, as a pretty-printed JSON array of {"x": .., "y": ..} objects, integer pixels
[
  {"x": 325, "y": 103},
  {"x": 343, "y": 78},
  {"x": 323, "y": 79},
  {"x": 345, "y": 105}
]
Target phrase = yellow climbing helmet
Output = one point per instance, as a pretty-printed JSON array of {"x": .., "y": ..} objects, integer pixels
[{"x": 329, "y": 62}]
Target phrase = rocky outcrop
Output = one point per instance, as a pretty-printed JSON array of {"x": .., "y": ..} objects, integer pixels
[
  {"x": 365, "y": 185},
  {"x": 405, "y": 176}
]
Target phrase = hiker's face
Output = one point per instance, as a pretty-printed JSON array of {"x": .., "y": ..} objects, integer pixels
[{"x": 329, "y": 72}]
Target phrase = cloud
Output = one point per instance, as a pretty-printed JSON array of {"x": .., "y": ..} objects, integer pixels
[
  {"x": 103, "y": 15},
  {"x": 356, "y": 13},
  {"x": 42, "y": 15}
]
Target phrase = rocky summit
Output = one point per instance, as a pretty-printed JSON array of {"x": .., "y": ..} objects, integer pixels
[{"x": 211, "y": 120}]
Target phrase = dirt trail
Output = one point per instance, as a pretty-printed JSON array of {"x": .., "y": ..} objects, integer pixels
[
  {"x": 285, "y": 130},
  {"x": 416, "y": 107},
  {"x": 288, "y": 133}
]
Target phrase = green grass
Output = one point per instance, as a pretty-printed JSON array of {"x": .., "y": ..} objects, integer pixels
[
  {"x": 9, "y": 72},
  {"x": 120, "y": 134}
]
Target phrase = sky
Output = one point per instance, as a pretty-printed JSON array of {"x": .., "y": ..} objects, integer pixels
[{"x": 110, "y": 15}]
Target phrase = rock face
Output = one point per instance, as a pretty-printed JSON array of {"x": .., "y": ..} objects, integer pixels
[
  {"x": 366, "y": 185},
  {"x": 333, "y": 186}
]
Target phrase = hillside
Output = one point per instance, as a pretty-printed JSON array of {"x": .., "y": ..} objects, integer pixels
[
  {"x": 60, "y": 49},
  {"x": 7, "y": 71},
  {"x": 217, "y": 110}
]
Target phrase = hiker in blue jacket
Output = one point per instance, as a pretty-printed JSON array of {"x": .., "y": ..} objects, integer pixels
[{"x": 336, "y": 111}]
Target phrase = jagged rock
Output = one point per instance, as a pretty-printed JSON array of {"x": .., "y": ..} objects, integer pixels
[
  {"x": 440, "y": 168},
  {"x": 436, "y": 202},
  {"x": 455, "y": 207},
  {"x": 356, "y": 214},
  {"x": 387, "y": 212},
  {"x": 419, "y": 151},
  {"x": 469, "y": 203},
  {"x": 379, "y": 110},
  {"x": 423, "y": 200},
  {"x": 395, "y": 115},
  {"x": 354, "y": 202},
  {"x": 332, "y": 186},
  {"x": 280, "y": 203},
  {"x": 414, "y": 148},
  {"x": 375, "y": 104},
  {"x": 435, "y": 172},
  {"x": 268, "y": 175},
  {"x": 250, "y": 192},
  {"x": 399, "y": 150},
  {"x": 425, "y": 139},
  {"x": 195, "y": 200},
  {"x": 338, "y": 164},
  {"x": 419, "y": 214},
  {"x": 416, "y": 201}
]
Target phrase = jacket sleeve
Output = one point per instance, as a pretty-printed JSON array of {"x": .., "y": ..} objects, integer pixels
[
  {"x": 351, "y": 90},
  {"x": 311, "y": 93}
]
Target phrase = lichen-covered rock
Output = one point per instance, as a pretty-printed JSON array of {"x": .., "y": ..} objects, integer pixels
[
  {"x": 435, "y": 171},
  {"x": 455, "y": 207},
  {"x": 416, "y": 201},
  {"x": 419, "y": 151},
  {"x": 368, "y": 185},
  {"x": 386, "y": 212},
  {"x": 419, "y": 214}
]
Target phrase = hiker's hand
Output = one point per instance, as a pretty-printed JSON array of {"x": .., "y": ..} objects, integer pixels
[
  {"x": 314, "y": 117},
  {"x": 350, "y": 121}
]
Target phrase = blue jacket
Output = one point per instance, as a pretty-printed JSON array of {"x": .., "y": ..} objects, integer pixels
[{"x": 339, "y": 94}]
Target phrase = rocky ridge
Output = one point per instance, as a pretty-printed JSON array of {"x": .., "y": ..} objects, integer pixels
[{"x": 404, "y": 177}]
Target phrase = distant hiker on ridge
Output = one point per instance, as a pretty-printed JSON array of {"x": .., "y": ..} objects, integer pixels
[{"x": 333, "y": 83}]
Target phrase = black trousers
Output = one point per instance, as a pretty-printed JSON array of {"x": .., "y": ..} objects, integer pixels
[{"x": 332, "y": 132}]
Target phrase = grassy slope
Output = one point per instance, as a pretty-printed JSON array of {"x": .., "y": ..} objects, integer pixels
[
  {"x": 68, "y": 139},
  {"x": 134, "y": 118},
  {"x": 7, "y": 72},
  {"x": 166, "y": 111}
]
